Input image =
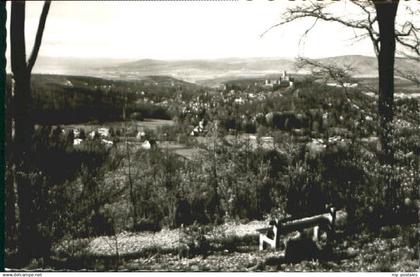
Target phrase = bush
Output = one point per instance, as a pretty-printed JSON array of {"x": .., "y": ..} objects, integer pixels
[
  {"x": 59, "y": 206},
  {"x": 147, "y": 224},
  {"x": 136, "y": 116},
  {"x": 305, "y": 195},
  {"x": 334, "y": 177},
  {"x": 193, "y": 241},
  {"x": 262, "y": 131},
  {"x": 183, "y": 214}
]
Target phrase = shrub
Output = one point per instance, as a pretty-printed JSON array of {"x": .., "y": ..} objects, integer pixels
[
  {"x": 305, "y": 195},
  {"x": 59, "y": 208},
  {"x": 147, "y": 224},
  {"x": 136, "y": 116},
  {"x": 183, "y": 213},
  {"x": 262, "y": 131},
  {"x": 335, "y": 177},
  {"x": 193, "y": 241}
]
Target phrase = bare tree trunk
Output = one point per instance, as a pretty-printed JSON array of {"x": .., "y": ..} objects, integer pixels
[
  {"x": 23, "y": 123},
  {"x": 23, "y": 135},
  {"x": 23, "y": 127},
  {"x": 131, "y": 185},
  {"x": 386, "y": 12},
  {"x": 10, "y": 213}
]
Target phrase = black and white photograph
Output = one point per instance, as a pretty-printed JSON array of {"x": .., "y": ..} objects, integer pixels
[{"x": 211, "y": 136}]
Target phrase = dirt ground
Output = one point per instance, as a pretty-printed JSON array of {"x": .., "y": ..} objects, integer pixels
[{"x": 388, "y": 250}]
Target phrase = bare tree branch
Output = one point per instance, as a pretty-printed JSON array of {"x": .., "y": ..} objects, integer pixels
[
  {"x": 408, "y": 75},
  {"x": 39, "y": 33},
  {"x": 408, "y": 38},
  {"x": 407, "y": 35},
  {"x": 307, "y": 31},
  {"x": 368, "y": 9},
  {"x": 411, "y": 44},
  {"x": 327, "y": 72}
]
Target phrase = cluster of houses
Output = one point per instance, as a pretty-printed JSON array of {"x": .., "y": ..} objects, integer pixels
[
  {"x": 343, "y": 85},
  {"x": 197, "y": 106},
  {"x": 318, "y": 146},
  {"x": 103, "y": 133},
  {"x": 105, "y": 137}
]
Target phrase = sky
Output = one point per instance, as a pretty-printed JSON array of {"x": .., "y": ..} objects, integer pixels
[{"x": 179, "y": 30}]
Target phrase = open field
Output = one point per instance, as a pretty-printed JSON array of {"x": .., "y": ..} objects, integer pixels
[
  {"x": 401, "y": 86},
  {"x": 152, "y": 124}
]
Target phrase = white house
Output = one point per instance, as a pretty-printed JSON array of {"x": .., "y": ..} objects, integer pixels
[
  {"x": 201, "y": 124},
  {"x": 267, "y": 139},
  {"x": 140, "y": 135},
  {"x": 196, "y": 131},
  {"x": 344, "y": 85},
  {"x": 107, "y": 142},
  {"x": 239, "y": 100},
  {"x": 77, "y": 141},
  {"x": 148, "y": 144},
  {"x": 104, "y": 132}
]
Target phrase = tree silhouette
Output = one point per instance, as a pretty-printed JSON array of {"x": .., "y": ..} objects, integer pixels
[
  {"x": 378, "y": 24},
  {"x": 23, "y": 124}
]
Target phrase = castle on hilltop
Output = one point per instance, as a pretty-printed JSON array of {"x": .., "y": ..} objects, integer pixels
[{"x": 284, "y": 81}]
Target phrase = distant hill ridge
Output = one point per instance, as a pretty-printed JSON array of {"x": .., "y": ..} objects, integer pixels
[{"x": 201, "y": 70}]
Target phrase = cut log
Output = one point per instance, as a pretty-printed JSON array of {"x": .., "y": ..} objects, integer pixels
[
  {"x": 330, "y": 220},
  {"x": 326, "y": 219}
]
